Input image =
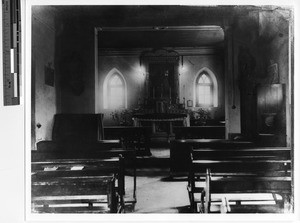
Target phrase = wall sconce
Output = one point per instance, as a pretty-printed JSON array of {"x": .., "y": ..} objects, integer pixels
[
  {"x": 182, "y": 67},
  {"x": 141, "y": 70}
]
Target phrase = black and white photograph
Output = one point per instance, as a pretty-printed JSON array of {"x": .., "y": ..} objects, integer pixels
[{"x": 181, "y": 111}]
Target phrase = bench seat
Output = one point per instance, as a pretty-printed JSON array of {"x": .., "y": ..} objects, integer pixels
[{"x": 216, "y": 173}]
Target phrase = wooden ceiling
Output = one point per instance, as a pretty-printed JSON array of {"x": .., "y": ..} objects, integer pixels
[
  {"x": 160, "y": 37},
  {"x": 152, "y": 15},
  {"x": 162, "y": 25},
  {"x": 157, "y": 22}
]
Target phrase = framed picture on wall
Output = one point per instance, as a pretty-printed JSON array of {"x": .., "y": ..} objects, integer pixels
[{"x": 189, "y": 103}]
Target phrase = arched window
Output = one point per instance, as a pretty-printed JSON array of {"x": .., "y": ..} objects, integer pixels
[
  {"x": 206, "y": 89},
  {"x": 115, "y": 92}
]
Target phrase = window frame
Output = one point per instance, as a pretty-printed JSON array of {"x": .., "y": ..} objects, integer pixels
[
  {"x": 199, "y": 85},
  {"x": 214, "y": 100},
  {"x": 107, "y": 90}
]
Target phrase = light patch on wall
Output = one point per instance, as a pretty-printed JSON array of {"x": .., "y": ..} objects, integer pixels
[
  {"x": 140, "y": 77},
  {"x": 182, "y": 69},
  {"x": 140, "y": 72}
]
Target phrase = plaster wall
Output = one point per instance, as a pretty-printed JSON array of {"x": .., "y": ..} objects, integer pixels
[
  {"x": 275, "y": 36},
  {"x": 44, "y": 97},
  {"x": 188, "y": 74},
  {"x": 256, "y": 53},
  {"x": 134, "y": 75},
  {"x": 76, "y": 65}
]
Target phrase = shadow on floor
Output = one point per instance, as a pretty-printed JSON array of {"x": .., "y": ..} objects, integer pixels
[
  {"x": 184, "y": 209},
  {"x": 129, "y": 209},
  {"x": 174, "y": 179}
]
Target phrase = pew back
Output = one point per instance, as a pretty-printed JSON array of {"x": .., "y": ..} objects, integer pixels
[
  {"x": 238, "y": 170},
  {"x": 224, "y": 153},
  {"x": 90, "y": 156},
  {"x": 66, "y": 180},
  {"x": 131, "y": 137},
  {"x": 253, "y": 184},
  {"x": 49, "y": 194},
  {"x": 180, "y": 151}
]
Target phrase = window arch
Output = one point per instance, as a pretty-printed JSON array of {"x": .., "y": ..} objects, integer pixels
[
  {"x": 114, "y": 90},
  {"x": 206, "y": 89}
]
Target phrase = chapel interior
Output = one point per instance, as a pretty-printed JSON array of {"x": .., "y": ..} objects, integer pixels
[{"x": 193, "y": 104}]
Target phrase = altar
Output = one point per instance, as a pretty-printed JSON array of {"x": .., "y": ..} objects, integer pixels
[
  {"x": 161, "y": 108},
  {"x": 161, "y": 124}
]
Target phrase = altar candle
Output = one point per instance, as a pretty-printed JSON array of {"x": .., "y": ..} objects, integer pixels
[{"x": 170, "y": 92}]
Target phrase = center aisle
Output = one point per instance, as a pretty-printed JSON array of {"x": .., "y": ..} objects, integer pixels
[{"x": 156, "y": 193}]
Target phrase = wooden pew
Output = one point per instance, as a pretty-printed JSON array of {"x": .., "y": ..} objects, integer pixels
[
  {"x": 129, "y": 160},
  {"x": 61, "y": 191},
  {"x": 69, "y": 181},
  {"x": 244, "y": 152},
  {"x": 180, "y": 151},
  {"x": 276, "y": 185},
  {"x": 199, "y": 132},
  {"x": 68, "y": 154},
  {"x": 131, "y": 137},
  {"x": 99, "y": 145},
  {"x": 243, "y": 164}
]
